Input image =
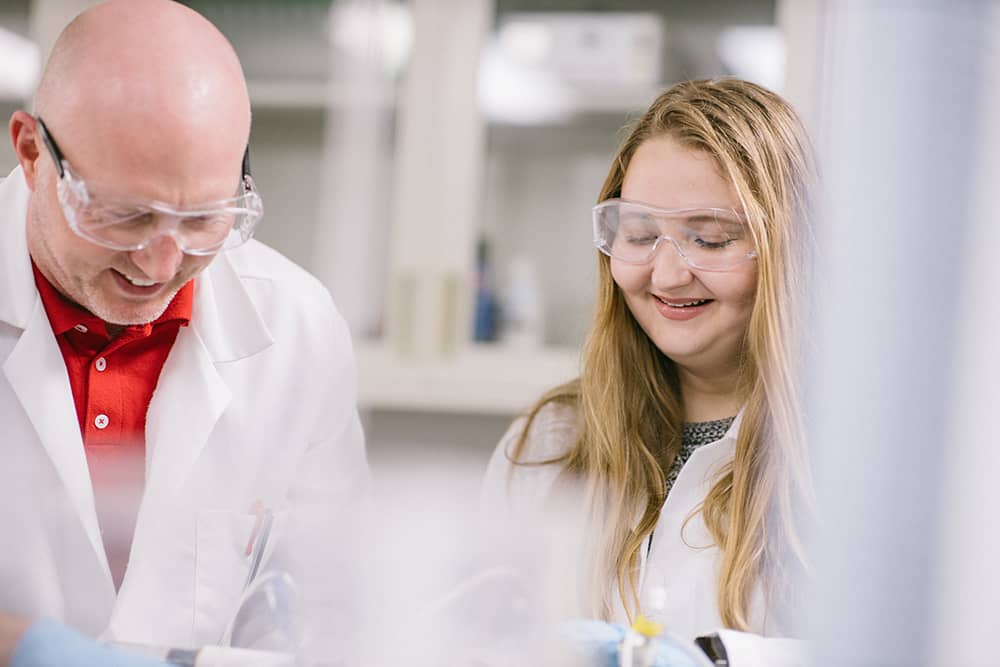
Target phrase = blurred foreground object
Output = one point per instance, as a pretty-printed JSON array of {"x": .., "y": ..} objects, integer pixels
[
  {"x": 433, "y": 581},
  {"x": 50, "y": 644},
  {"x": 602, "y": 644},
  {"x": 905, "y": 369},
  {"x": 438, "y": 585}
]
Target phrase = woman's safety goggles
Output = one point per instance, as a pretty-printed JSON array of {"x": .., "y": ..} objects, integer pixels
[
  {"x": 132, "y": 225},
  {"x": 711, "y": 239}
]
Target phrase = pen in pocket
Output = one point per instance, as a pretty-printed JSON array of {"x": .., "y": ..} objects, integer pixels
[{"x": 257, "y": 543}]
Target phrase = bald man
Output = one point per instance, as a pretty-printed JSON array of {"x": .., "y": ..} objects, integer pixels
[{"x": 174, "y": 396}]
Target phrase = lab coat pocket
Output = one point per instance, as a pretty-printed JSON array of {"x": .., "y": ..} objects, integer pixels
[{"x": 221, "y": 570}]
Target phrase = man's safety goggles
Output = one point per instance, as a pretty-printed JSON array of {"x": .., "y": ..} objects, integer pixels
[
  {"x": 130, "y": 225},
  {"x": 712, "y": 239}
]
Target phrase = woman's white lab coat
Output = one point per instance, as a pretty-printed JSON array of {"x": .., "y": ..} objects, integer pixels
[
  {"x": 256, "y": 402},
  {"x": 682, "y": 561}
]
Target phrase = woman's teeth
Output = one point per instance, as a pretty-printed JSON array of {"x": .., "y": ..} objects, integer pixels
[{"x": 686, "y": 304}]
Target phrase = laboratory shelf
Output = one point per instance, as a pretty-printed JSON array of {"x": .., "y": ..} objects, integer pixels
[{"x": 480, "y": 379}]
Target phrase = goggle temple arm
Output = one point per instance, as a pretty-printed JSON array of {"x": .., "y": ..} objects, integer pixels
[
  {"x": 51, "y": 145},
  {"x": 248, "y": 185}
]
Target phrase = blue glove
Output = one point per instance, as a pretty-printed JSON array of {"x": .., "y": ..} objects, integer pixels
[
  {"x": 595, "y": 641},
  {"x": 50, "y": 644},
  {"x": 598, "y": 643}
]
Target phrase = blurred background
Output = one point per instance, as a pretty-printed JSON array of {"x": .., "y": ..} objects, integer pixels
[{"x": 433, "y": 162}]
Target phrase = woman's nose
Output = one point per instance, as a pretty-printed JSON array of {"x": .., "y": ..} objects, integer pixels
[{"x": 670, "y": 269}]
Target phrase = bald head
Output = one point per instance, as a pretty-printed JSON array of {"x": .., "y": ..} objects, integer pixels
[
  {"x": 135, "y": 83},
  {"x": 146, "y": 101}
]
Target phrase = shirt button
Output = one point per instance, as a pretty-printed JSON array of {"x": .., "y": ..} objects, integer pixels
[
  {"x": 101, "y": 364},
  {"x": 81, "y": 328},
  {"x": 101, "y": 421}
]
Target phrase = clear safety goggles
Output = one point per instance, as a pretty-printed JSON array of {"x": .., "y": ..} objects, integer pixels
[
  {"x": 711, "y": 239},
  {"x": 130, "y": 225}
]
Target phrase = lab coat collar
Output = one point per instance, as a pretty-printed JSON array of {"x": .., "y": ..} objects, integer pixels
[
  {"x": 35, "y": 368},
  {"x": 224, "y": 316},
  {"x": 708, "y": 461},
  {"x": 734, "y": 429},
  {"x": 192, "y": 394},
  {"x": 17, "y": 288}
]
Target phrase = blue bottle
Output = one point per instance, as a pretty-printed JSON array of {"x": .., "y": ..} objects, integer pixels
[{"x": 486, "y": 307}]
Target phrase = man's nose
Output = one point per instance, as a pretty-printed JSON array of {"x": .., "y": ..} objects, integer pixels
[
  {"x": 159, "y": 260},
  {"x": 670, "y": 269}
]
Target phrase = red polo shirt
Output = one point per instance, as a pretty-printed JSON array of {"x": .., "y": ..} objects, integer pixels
[{"x": 113, "y": 380}]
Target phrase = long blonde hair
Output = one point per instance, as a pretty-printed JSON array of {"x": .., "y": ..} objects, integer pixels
[{"x": 628, "y": 400}]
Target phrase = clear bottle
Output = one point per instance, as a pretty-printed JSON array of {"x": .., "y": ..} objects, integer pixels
[{"x": 523, "y": 312}]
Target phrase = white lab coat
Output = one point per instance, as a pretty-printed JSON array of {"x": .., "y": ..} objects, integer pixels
[
  {"x": 256, "y": 402},
  {"x": 684, "y": 567}
]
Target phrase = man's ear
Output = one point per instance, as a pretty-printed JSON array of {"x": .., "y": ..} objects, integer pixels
[{"x": 24, "y": 136}]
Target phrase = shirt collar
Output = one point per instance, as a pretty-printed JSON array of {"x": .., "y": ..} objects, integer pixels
[{"x": 65, "y": 315}]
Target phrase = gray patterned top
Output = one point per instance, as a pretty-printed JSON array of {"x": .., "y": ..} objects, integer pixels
[{"x": 696, "y": 434}]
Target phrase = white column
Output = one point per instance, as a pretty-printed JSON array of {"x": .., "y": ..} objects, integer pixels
[
  {"x": 349, "y": 254},
  {"x": 438, "y": 179},
  {"x": 801, "y": 25}
]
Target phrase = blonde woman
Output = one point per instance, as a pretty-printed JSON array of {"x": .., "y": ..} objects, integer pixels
[{"x": 683, "y": 425}]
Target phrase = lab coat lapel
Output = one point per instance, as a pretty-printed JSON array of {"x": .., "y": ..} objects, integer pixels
[
  {"x": 192, "y": 395},
  {"x": 35, "y": 368},
  {"x": 188, "y": 401},
  {"x": 37, "y": 373},
  {"x": 18, "y": 296}
]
